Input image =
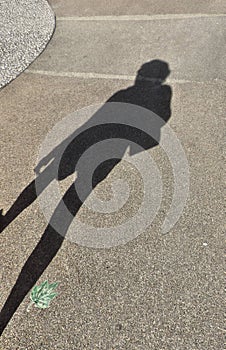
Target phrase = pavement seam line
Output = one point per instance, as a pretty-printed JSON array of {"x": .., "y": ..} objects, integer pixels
[
  {"x": 91, "y": 75},
  {"x": 138, "y": 17}
]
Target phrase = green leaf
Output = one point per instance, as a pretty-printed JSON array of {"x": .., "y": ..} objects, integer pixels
[
  {"x": 43, "y": 294},
  {"x": 53, "y": 285}
]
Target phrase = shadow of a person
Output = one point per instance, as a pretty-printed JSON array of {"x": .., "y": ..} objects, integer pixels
[{"x": 148, "y": 92}]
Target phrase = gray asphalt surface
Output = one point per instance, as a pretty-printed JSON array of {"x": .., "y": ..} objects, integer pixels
[
  {"x": 25, "y": 29},
  {"x": 158, "y": 291}
]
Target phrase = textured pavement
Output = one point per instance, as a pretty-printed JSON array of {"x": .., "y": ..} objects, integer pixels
[{"x": 158, "y": 291}]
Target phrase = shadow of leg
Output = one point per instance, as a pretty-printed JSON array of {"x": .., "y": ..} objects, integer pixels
[
  {"x": 40, "y": 258},
  {"x": 26, "y": 198}
]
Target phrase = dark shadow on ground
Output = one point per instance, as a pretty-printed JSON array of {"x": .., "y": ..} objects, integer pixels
[{"x": 149, "y": 92}]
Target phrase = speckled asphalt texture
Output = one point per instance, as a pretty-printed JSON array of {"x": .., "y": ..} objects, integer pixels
[
  {"x": 157, "y": 292},
  {"x": 25, "y": 29}
]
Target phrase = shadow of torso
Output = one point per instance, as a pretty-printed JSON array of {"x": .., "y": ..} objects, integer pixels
[{"x": 154, "y": 97}]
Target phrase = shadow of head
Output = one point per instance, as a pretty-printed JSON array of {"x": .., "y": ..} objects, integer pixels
[{"x": 155, "y": 70}]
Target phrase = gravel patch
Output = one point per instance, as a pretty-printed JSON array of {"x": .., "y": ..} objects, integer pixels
[{"x": 25, "y": 29}]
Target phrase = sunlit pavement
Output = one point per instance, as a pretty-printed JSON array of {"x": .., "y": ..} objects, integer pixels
[{"x": 157, "y": 291}]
